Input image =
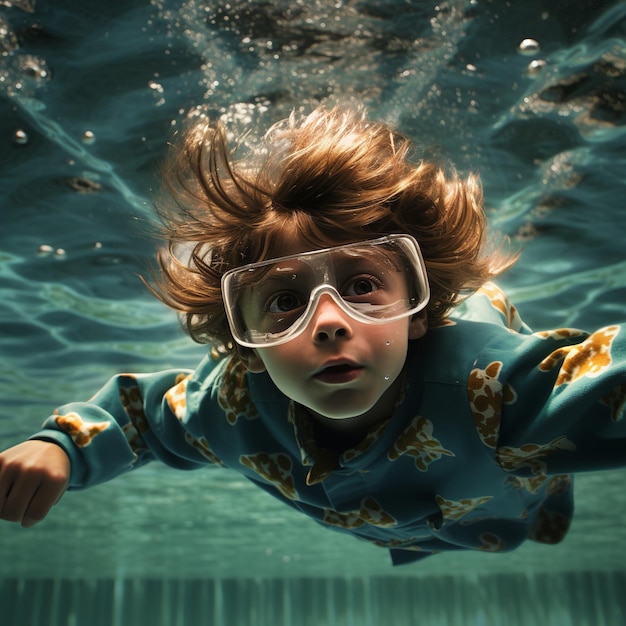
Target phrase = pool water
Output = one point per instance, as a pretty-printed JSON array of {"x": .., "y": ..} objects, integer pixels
[{"x": 91, "y": 93}]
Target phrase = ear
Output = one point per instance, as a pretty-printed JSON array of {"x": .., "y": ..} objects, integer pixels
[
  {"x": 252, "y": 361},
  {"x": 418, "y": 325}
]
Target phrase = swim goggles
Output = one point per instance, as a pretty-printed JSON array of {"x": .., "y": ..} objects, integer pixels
[{"x": 374, "y": 282}]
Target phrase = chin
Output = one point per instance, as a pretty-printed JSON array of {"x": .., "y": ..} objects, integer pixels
[{"x": 340, "y": 415}]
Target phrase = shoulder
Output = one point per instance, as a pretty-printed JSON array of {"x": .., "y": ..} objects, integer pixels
[
  {"x": 484, "y": 321},
  {"x": 486, "y": 329},
  {"x": 490, "y": 304}
]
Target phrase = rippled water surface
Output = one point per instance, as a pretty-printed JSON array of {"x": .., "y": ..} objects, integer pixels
[{"x": 90, "y": 94}]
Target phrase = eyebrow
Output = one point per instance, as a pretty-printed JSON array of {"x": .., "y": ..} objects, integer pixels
[{"x": 280, "y": 276}]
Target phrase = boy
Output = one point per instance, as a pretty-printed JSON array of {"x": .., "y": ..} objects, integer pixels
[{"x": 346, "y": 376}]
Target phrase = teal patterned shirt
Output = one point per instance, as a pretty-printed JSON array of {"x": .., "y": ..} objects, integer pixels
[{"x": 478, "y": 454}]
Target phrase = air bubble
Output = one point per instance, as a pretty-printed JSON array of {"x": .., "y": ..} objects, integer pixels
[
  {"x": 88, "y": 137},
  {"x": 535, "y": 67},
  {"x": 20, "y": 137},
  {"x": 528, "y": 47}
]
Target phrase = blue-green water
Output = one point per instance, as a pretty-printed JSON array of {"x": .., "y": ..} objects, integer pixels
[{"x": 546, "y": 130}]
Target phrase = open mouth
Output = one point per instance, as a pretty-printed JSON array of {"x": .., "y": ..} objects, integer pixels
[{"x": 341, "y": 373}]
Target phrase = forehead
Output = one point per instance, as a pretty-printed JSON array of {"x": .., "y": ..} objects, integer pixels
[
  {"x": 298, "y": 245},
  {"x": 297, "y": 254},
  {"x": 298, "y": 236}
]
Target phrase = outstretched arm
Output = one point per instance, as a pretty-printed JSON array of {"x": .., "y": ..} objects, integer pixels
[
  {"x": 130, "y": 421},
  {"x": 33, "y": 477}
]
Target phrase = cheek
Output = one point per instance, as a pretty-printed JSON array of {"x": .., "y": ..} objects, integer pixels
[
  {"x": 394, "y": 336},
  {"x": 281, "y": 362},
  {"x": 392, "y": 347}
]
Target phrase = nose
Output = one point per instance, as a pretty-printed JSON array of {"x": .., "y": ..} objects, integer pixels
[{"x": 330, "y": 322}]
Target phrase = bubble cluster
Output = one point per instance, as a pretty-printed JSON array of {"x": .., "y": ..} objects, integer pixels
[
  {"x": 47, "y": 250},
  {"x": 530, "y": 47},
  {"x": 158, "y": 91},
  {"x": 33, "y": 67}
]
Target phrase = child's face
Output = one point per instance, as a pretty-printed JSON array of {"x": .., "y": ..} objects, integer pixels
[{"x": 340, "y": 367}]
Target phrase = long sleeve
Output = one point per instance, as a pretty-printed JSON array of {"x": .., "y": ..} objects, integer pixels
[
  {"x": 134, "y": 418},
  {"x": 563, "y": 404},
  {"x": 552, "y": 402}
]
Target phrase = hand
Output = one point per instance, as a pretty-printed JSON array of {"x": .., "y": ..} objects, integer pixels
[{"x": 33, "y": 477}]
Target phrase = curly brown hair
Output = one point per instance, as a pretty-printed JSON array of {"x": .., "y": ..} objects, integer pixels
[{"x": 330, "y": 177}]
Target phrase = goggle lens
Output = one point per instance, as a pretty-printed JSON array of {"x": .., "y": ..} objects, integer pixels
[{"x": 271, "y": 302}]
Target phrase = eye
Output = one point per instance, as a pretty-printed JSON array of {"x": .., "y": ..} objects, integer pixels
[
  {"x": 361, "y": 286},
  {"x": 284, "y": 302}
]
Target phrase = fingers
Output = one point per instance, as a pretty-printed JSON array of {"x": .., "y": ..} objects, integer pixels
[
  {"x": 5, "y": 488},
  {"x": 28, "y": 499},
  {"x": 44, "y": 498},
  {"x": 33, "y": 477},
  {"x": 13, "y": 498}
]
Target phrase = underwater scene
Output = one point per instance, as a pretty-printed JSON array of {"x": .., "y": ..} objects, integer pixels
[{"x": 529, "y": 94}]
